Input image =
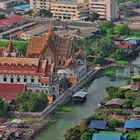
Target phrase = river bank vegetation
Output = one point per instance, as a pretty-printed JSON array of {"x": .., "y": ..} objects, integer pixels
[{"x": 115, "y": 117}]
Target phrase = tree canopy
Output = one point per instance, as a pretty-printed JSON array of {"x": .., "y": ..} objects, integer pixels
[
  {"x": 31, "y": 102},
  {"x": 107, "y": 46},
  {"x": 94, "y": 16},
  {"x": 106, "y": 25},
  {"x": 121, "y": 29},
  {"x": 4, "y": 107}
]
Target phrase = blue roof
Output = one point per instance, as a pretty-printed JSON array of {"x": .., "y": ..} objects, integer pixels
[
  {"x": 132, "y": 124},
  {"x": 97, "y": 124},
  {"x": 106, "y": 137}
]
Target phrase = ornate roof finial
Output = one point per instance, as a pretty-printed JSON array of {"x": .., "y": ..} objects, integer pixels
[
  {"x": 10, "y": 47},
  {"x": 50, "y": 30}
]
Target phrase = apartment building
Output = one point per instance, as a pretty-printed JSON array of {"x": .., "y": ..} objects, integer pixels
[
  {"x": 107, "y": 9},
  {"x": 71, "y": 10},
  {"x": 40, "y": 4},
  {"x": 4, "y": 4},
  {"x": 63, "y": 9}
]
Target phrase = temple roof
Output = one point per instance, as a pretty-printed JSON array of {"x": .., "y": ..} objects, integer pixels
[
  {"x": 9, "y": 48},
  {"x": 21, "y": 61}
]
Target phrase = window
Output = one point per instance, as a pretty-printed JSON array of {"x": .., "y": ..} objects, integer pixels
[
  {"x": 4, "y": 79},
  {"x": 25, "y": 80},
  {"x": 18, "y": 79},
  {"x": 11, "y": 80},
  {"x": 32, "y": 80}
]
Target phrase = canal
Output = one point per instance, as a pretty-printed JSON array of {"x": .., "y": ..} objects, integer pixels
[{"x": 96, "y": 92}]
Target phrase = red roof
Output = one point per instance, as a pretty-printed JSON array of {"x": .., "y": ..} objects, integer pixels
[
  {"x": 9, "y": 91},
  {"x": 112, "y": 60},
  {"x": 11, "y": 20},
  {"x": 122, "y": 45},
  {"x": 44, "y": 80},
  {"x": 73, "y": 80}
]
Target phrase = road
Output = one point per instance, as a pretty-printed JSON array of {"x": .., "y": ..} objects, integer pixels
[{"x": 62, "y": 22}]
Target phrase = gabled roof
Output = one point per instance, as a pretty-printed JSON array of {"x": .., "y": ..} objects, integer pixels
[
  {"x": 9, "y": 91},
  {"x": 137, "y": 109},
  {"x": 109, "y": 135},
  {"x": 116, "y": 101},
  {"x": 97, "y": 124},
  {"x": 132, "y": 124},
  {"x": 105, "y": 137}
]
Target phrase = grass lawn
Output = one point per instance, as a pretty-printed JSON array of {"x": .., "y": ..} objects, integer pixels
[
  {"x": 136, "y": 76},
  {"x": 121, "y": 62},
  {"x": 64, "y": 109},
  {"x": 134, "y": 135},
  {"x": 20, "y": 45}
]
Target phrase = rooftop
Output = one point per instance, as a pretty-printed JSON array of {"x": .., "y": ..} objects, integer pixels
[
  {"x": 9, "y": 91},
  {"x": 97, "y": 124},
  {"x": 132, "y": 124},
  {"x": 80, "y": 94},
  {"x": 116, "y": 101}
]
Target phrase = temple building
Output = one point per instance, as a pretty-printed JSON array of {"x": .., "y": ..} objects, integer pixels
[
  {"x": 50, "y": 47},
  {"x": 33, "y": 72},
  {"x": 60, "y": 54}
]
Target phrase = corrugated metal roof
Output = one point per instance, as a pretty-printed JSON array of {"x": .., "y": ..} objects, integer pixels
[
  {"x": 132, "y": 124},
  {"x": 106, "y": 137},
  {"x": 97, "y": 124}
]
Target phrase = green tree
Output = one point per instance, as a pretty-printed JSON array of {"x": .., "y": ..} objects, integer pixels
[
  {"x": 120, "y": 93},
  {"x": 4, "y": 107},
  {"x": 100, "y": 60},
  {"x": 119, "y": 54},
  {"x": 45, "y": 13},
  {"x": 107, "y": 25},
  {"x": 136, "y": 102},
  {"x": 113, "y": 123},
  {"x": 73, "y": 133},
  {"x": 31, "y": 102},
  {"x": 131, "y": 95},
  {"x": 94, "y": 16},
  {"x": 87, "y": 135},
  {"x": 111, "y": 91},
  {"x": 128, "y": 103},
  {"x": 64, "y": 83},
  {"x": 106, "y": 46},
  {"x": 122, "y": 29}
]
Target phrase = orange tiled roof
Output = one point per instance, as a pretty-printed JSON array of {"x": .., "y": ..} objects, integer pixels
[
  {"x": 37, "y": 44},
  {"x": 17, "y": 61},
  {"x": 73, "y": 80}
]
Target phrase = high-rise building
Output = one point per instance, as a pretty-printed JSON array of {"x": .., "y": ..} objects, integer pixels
[
  {"x": 40, "y": 4},
  {"x": 63, "y": 9},
  {"x": 72, "y": 10},
  {"x": 107, "y": 9}
]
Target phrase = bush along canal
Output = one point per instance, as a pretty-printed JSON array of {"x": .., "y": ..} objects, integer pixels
[{"x": 72, "y": 114}]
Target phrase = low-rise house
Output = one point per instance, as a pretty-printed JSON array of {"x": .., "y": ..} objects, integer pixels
[
  {"x": 97, "y": 124},
  {"x": 132, "y": 124},
  {"x": 136, "y": 111},
  {"x": 115, "y": 103},
  {"x": 132, "y": 41},
  {"x": 109, "y": 135}
]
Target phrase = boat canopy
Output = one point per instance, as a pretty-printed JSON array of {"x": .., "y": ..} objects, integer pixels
[{"x": 80, "y": 94}]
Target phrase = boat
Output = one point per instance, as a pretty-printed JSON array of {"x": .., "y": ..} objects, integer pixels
[{"x": 79, "y": 96}]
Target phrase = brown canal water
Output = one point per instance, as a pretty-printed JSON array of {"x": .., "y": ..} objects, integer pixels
[{"x": 96, "y": 92}]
